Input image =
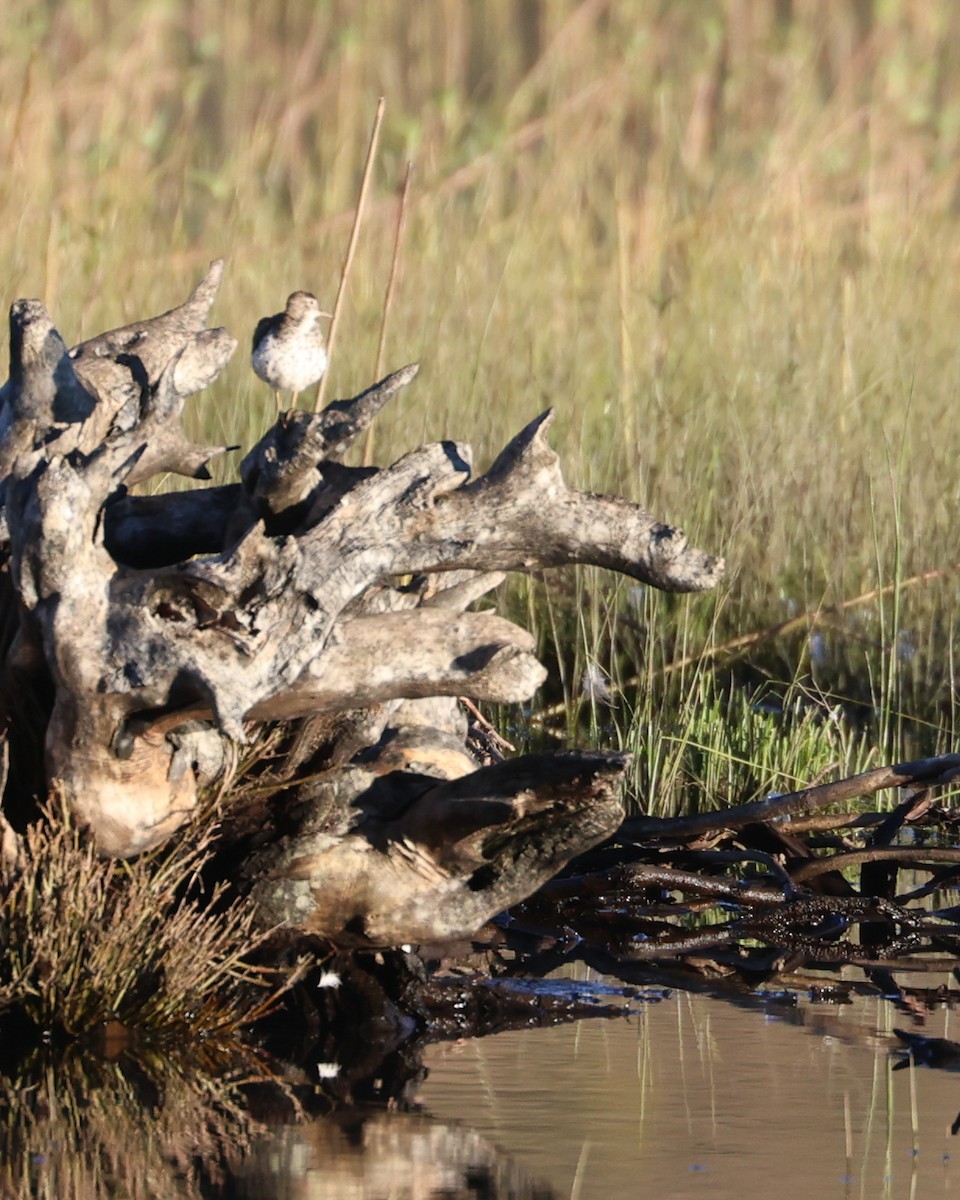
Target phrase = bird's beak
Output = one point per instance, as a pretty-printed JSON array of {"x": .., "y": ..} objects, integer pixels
[{"x": 326, "y": 314}]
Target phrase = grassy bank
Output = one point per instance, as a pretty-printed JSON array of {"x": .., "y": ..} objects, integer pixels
[{"x": 721, "y": 237}]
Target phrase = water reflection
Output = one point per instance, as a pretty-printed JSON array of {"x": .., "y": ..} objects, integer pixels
[
  {"x": 685, "y": 1096},
  {"x": 383, "y": 1156},
  {"x": 80, "y": 1125},
  {"x": 700, "y": 1098}
]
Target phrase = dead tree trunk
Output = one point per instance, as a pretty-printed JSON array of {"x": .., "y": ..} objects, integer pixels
[{"x": 169, "y": 627}]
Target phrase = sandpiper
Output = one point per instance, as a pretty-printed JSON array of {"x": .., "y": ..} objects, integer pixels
[{"x": 288, "y": 348}]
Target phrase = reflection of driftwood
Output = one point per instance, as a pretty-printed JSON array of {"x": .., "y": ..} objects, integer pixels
[
  {"x": 369, "y": 1153},
  {"x": 165, "y": 628}
]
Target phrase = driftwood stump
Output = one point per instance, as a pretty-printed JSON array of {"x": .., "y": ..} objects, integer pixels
[{"x": 161, "y": 632}]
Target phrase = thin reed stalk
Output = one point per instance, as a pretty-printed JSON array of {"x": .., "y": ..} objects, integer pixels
[
  {"x": 388, "y": 300},
  {"x": 351, "y": 247}
]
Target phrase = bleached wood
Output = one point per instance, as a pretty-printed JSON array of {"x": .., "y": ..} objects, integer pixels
[{"x": 169, "y": 627}]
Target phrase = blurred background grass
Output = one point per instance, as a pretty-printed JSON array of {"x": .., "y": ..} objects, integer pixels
[{"x": 720, "y": 236}]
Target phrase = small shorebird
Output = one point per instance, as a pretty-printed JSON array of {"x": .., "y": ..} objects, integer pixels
[{"x": 288, "y": 348}]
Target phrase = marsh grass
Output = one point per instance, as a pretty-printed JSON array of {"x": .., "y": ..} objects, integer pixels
[
  {"x": 88, "y": 940},
  {"x": 720, "y": 237},
  {"x": 727, "y": 746}
]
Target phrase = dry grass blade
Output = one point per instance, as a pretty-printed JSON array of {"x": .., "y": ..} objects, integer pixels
[
  {"x": 351, "y": 247},
  {"x": 388, "y": 301}
]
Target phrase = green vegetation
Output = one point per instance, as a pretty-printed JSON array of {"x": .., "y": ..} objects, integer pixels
[{"x": 721, "y": 237}]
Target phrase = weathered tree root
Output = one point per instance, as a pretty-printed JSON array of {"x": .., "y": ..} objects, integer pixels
[{"x": 169, "y": 627}]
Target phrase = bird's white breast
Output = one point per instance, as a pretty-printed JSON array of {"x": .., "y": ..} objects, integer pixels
[{"x": 290, "y": 366}]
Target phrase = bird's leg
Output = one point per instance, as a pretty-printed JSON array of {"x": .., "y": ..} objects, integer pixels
[
  {"x": 276, "y": 399},
  {"x": 293, "y": 400}
]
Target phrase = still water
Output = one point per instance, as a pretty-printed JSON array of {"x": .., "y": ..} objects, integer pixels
[{"x": 685, "y": 1097}]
